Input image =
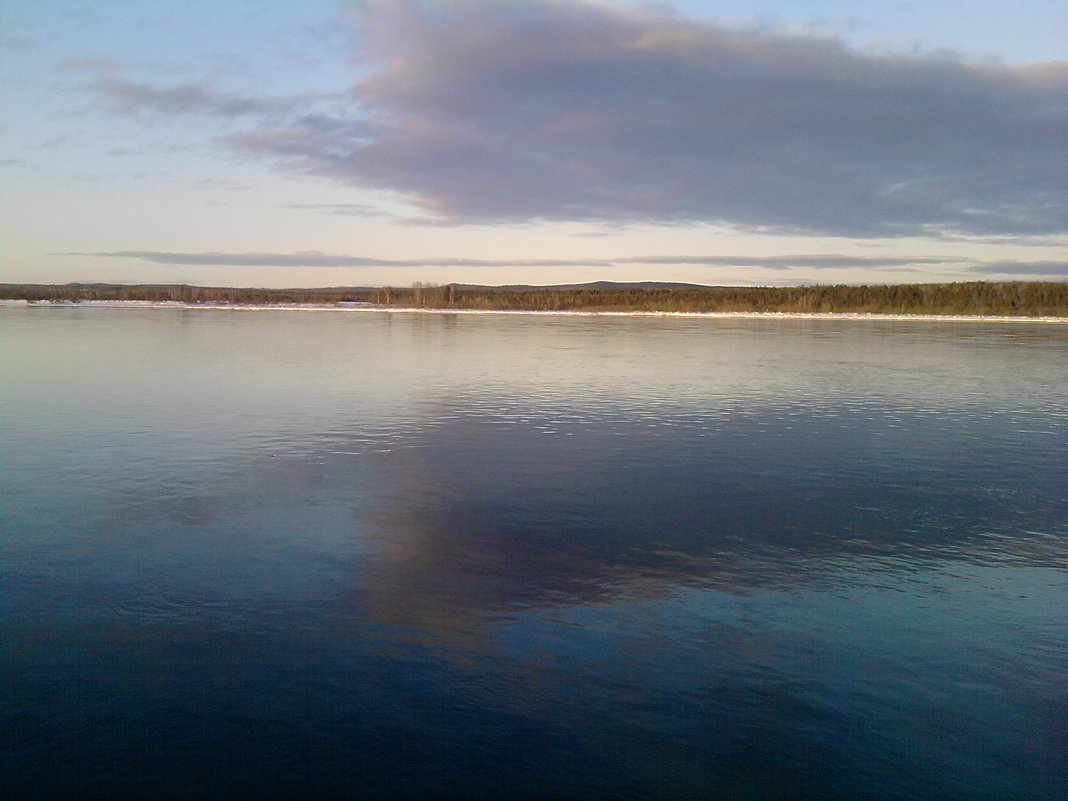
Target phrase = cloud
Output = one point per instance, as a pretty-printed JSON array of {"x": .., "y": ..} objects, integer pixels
[
  {"x": 16, "y": 43},
  {"x": 313, "y": 258},
  {"x": 94, "y": 62},
  {"x": 824, "y": 261},
  {"x": 344, "y": 209},
  {"x": 818, "y": 261},
  {"x": 131, "y": 97},
  {"x": 1055, "y": 269},
  {"x": 528, "y": 110},
  {"x": 567, "y": 110}
]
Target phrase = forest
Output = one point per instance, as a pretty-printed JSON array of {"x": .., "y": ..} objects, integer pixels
[{"x": 1010, "y": 298}]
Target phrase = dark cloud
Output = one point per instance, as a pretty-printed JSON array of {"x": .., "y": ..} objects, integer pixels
[
  {"x": 568, "y": 110},
  {"x": 562, "y": 110}
]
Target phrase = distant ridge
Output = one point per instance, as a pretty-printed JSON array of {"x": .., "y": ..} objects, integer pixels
[{"x": 588, "y": 285}]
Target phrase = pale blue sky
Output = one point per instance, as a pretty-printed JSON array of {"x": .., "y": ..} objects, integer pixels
[{"x": 333, "y": 143}]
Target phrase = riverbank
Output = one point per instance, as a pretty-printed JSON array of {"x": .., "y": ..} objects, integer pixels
[{"x": 1029, "y": 299}]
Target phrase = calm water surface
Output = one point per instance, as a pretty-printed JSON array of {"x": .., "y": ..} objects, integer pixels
[{"x": 294, "y": 554}]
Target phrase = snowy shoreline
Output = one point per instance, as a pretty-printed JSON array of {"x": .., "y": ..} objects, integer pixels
[{"x": 362, "y": 307}]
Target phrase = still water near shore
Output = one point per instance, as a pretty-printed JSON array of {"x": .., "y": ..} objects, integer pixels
[{"x": 530, "y": 557}]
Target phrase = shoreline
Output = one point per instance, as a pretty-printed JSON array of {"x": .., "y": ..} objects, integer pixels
[{"x": 371, "y": 308}]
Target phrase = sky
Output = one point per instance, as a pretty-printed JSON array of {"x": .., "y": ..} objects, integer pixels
[{"x": 383, "y": 142}]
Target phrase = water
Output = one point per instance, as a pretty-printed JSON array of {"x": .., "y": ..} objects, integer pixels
[{"x": 294, "y": 554}]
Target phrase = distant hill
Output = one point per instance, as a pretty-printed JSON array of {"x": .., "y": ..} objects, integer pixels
[{"x": 589, "y": 285}]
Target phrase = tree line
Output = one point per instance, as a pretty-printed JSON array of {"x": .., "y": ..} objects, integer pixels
[{"x": 1015, "y": 298}]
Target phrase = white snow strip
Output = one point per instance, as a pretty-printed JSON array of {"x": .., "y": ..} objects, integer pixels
[{"x": 351, "y": 307}]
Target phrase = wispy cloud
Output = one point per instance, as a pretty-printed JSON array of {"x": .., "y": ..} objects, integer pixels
[
  {"x": 482, "y": 111},
  {"x": 133, "y": 97},
  {"x": 91, "y": 63},
  {"x": 1055, "y": 269},
  {"x": 314, "y": 258},
  {"x": 344, "y": 209},
  {"x": 16, "y": 43},
  {"x": 800, "y": 262},
  {"x": 820, "y": 261}
]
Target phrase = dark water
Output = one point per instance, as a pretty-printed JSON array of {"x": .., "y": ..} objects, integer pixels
[{"x": 285, "y": 554}]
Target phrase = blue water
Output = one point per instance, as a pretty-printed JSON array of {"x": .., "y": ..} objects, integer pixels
[{"x": 343, "y": 554}]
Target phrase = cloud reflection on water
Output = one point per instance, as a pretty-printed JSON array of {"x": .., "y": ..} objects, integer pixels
[{"x": 482, "y": 519}]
